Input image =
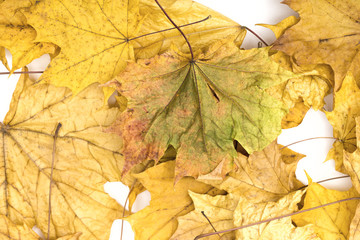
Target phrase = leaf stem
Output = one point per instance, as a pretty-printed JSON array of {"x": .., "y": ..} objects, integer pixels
[
  {"x": 168, "y": 29},
  {"x": 173, "y": 23},
  {"x": 4, "y": 73},
  {"x": 334, "y": 178},
  {"x": 203, "y": 213},
  {"x": 325, "y": 180},
  {"x": 51, "y": 175},
  {"x": 262, "y": 40},
  {"x": 275, "y": 218},
  {"x": 308, "y": 140}
]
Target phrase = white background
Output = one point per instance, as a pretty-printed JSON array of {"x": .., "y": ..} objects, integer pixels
[{"x": 247, "y": 13}]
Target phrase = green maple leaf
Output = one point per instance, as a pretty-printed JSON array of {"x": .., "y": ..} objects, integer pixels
[{"x": 199, "y": 107}]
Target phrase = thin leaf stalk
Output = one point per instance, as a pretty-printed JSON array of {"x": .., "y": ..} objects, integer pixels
[
  {"x": 275, "y": 218},
  {"x": 169, "y": 29},
  {"x": 308, "y": 139},
  {"x": 51, "y": 175},
  {"x": 256, "y": 35},
  {"x": 177, "y": 27},
  {"x": 203, "y": 213},
  {"x": 21, "y": 72}
]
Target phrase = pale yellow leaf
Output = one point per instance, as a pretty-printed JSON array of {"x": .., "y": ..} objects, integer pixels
[
  {"x": 85, "y": 159},
  {"x": 168, "y": 201}
]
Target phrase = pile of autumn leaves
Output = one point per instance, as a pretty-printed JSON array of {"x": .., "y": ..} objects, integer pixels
[{"x": 197, "y": 128}]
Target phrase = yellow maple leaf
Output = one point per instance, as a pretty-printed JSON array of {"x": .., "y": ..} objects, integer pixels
[
  {"x": 248, "y": 212},
  {"x": 327, "y": 33},
  {"x": 226, "y": 212},
  {"x": 19, "y": 37},
  {"x": 305, "y": 91},
  {"x": 183, "y": 12},
  {"x": 97, "y": 39},
  {"x": 159, "y": 220},
  {"x": 218, "y": 209},
  {"x": 342, "y": 119},
  {"x": 85, "y": 158},
  {"x": 331, "y": 222},
  {"x": 277, "y": 176},
  {"x": 283, "y": 229}
]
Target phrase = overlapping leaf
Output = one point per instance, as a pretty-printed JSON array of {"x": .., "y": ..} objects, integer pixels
[
  {"x": 231, "y": 211},
  {"x": 300, "y": 93},
  {"x": 248, "y": 212},
  {"x": 277, "y": 178},
  {"x": 168, "y": 202},
  {"x": 327, "y": 33},
  {"x": 199, "y": 107},
  {"x": 98, "y": 38},
  {"x": 342, "y": 118},
  {"x": 19, "y": 37},
  {"x": 314, "y": 83},
  {"x": 218, "y": 209},
  {"x": 85, "y": 158},
  {"x": 195, "y": 107},
  {"x": 331, "y": 222},
  {"x": 201, "y": 34}
]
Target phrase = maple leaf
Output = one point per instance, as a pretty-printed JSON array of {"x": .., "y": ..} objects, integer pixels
[
  {"x": 201, "y": 34},
  {"x": 277, "y": 178},
  {"x": 248, "y": 212},
  {"x": 311, "y": 86},
  {"x": 85, "y": 158},
  {"x": 97, "y": 39},
  {"x": 168, "y": 202},
  {"x": 225, "y": 212},
  {"x": 284, "y": 229},
  {"x": 342, "y": 119},
  {"x": 220, "y": 211},
  {"x": 327, "y": 33},
  {"x": 331, "y": 222},
  {"x": 199, "y": 107},
  {"x": 300, "y": 93},
  {"x": 303, "y": 92},
  {"x": 18, "y": 37}
]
